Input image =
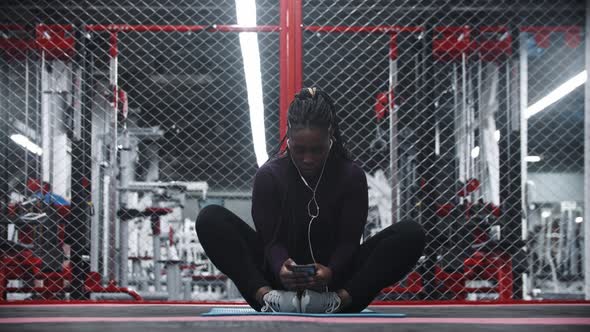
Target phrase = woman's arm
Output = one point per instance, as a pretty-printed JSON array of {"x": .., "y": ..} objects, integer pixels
[
  {"x": 351, "y": 222},
  {"x": 266, "y": 204}
]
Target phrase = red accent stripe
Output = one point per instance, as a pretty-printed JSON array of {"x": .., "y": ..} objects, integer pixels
[
  {"x": 114, "y": 50},
  {"x": 483, "y": 305},
  {"x": 393, "y": 47},
  {"x": 145, "y": 28},
  {"x": 342, "y": 320},
  {"x": 472, "y": 303},
  {"x": 180, "y": 28},
  {"x": 126, "y": 304}
]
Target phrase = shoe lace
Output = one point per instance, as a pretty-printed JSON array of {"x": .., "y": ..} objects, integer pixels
[
  {"x": 332, "y": 302},
  {"x": 271, "y": 301}
]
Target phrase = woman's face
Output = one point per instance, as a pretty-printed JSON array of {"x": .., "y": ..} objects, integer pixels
[{"x": 309, "y": 147}]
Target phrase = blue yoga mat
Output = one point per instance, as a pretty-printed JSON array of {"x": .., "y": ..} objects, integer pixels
[{"x": 238, "y": 311}]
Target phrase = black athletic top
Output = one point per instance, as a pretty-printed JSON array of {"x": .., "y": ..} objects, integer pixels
[{"x": 282, "y": 228}]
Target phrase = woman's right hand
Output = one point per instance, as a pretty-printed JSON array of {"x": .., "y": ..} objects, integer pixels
[{"x": 291, "y": 280}]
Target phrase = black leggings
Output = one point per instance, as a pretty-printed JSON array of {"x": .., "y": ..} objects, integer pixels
[{"x": 235, "y": 249}]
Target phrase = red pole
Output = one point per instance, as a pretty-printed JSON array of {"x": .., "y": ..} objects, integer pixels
[
  {"x": 113, "y": 50},
  {"x": 290, "y": 52},
  {"x": 291, "y": 74}
]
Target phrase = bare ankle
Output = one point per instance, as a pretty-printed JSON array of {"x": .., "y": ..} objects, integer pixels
[{"x": 261, "y": 292}]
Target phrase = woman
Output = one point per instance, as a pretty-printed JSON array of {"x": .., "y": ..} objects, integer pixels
[{"x": 309, "y": 206}]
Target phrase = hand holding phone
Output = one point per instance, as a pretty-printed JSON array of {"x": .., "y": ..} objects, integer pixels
[
  {"x": 296, "y": 277},
  {"x": 307, "y": 269}
]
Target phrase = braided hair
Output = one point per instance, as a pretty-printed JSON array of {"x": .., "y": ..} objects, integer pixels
[{"x": 313, "y": 108}]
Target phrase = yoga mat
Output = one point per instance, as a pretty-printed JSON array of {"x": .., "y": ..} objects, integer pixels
[{"x": 239, "y": 311}]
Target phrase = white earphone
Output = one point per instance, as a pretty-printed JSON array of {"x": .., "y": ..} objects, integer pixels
[{"x": 313, "y": 199}]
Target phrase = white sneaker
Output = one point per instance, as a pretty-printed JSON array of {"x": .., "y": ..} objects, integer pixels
[
  {"x": 314, "y": 302},
  {"x": 281, "y": 301}
]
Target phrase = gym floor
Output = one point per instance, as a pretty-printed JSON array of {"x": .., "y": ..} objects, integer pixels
[{"x": 133, "y": 317}]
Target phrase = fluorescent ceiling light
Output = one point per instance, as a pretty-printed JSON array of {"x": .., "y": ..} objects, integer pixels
[
  {"x": 557, "y": 94},
  {"x": 475, "y": 152},
  {"x": 26, "y": 143},
  {"x": 532, "y": 159},
  {"x": 579, "y": 220},
  {"x": 545, "y": 214},
  {"x": 246, "y": 14}
]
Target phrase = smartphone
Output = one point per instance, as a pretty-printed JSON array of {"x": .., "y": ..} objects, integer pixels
[{"x": 308, "y": 269}]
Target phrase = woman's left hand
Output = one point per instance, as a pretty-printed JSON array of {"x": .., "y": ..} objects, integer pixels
[{"x": 321, "y": 279}]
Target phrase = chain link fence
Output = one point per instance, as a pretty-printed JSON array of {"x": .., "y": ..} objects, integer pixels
[{"x": 120, "y": 120}]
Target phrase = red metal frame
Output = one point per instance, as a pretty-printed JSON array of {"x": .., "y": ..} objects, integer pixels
[
  {"x": 27, "y": 266},
  {"x": 452, "y": 42},
  {"x": 494, "y": 49},
  {"x": 480, "y": 266},
  {"x": 57, "y": 41},
  {"x": 573, "y": 34},
  {"x": 180, "y": 28}
]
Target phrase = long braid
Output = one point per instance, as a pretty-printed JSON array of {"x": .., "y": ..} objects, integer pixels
[{"x": 339, "y": 144}]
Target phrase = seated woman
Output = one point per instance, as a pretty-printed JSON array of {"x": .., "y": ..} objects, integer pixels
[{"x": 309, "y": 206}]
